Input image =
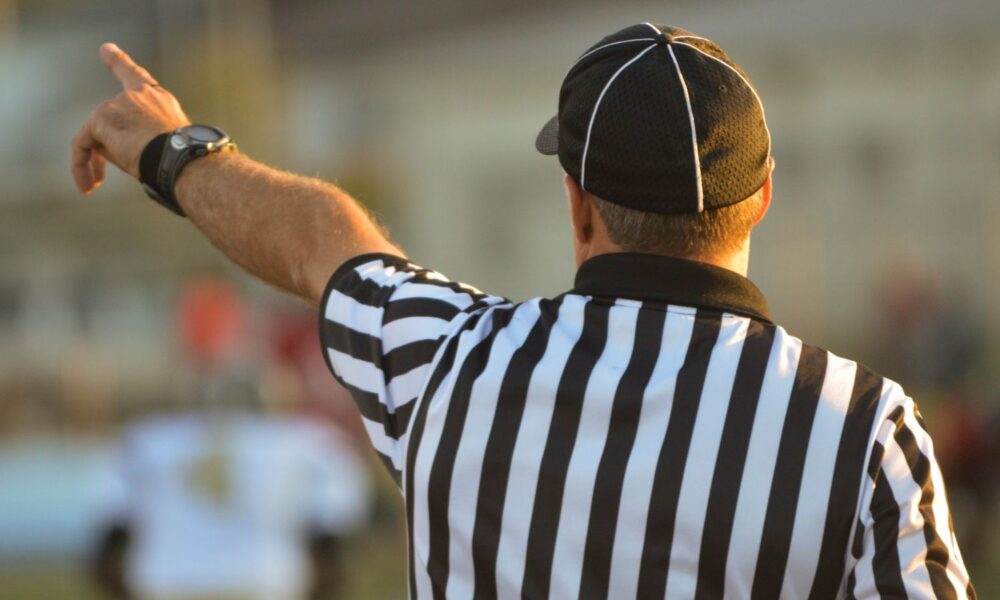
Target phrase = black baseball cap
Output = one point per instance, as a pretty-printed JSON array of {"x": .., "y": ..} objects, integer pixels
[{"x": 659, "y": 119}]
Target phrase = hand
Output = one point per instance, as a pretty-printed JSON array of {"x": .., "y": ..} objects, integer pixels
[{"x": 119, "y": 129}]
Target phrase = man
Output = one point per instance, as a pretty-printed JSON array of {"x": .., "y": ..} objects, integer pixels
[
  {"x": 650, "y": 433},
  {"x": 231, "y": 495}
]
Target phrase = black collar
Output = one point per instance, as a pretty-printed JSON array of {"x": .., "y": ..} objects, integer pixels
[{"x": 672, "y": 280}]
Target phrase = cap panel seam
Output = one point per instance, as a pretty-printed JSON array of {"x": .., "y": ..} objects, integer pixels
[
  {"x": 655, "y": 28},
  {"x": 694, "y": 133},
  {"x": 693, "y": 37},
  {"x": 597, "y": 105},
  {"x": 744, "y": 80},
  {"x": 588, "y": 53}
]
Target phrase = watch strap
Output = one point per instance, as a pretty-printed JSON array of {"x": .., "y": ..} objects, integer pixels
[{"x": 151, "y": 167}]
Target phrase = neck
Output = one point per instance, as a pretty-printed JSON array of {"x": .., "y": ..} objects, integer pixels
[{"x": 738, "y": 262}]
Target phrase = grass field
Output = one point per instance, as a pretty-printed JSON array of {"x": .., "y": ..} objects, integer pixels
[{"x": 376, "y": 570}]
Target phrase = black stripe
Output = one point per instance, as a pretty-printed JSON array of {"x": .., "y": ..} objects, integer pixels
[
  {"x": 858, "y": 547},
  {"x": 500, "y": 449},
  {"x": 849, "y": 468},
  {"x": 885, "y": 562},
  {"x": 393, "y": 423},
  {"x": 439, "y": 482},
  {"x": 878, "y": 451},
  {"x": 351, "y": 342},
  {"x": 851, "y": 582},
  {"x": 721, "y": 510},
  {"x": 396, "y": 474},
  {"x": 420, "y": 276},
  {"x": 936, "y": 559},
  {"x": 442, "y": 370},
  {"x": 622, "y": 427},
  {"x": 659, "y": 537},
  {"x": 559, "y": 448},
  {"x": 405, "y": 358},
  {"x": 786, "y": 483},
  {"x": 362, "y": 290},
  {"x": 419, "y": 307}
]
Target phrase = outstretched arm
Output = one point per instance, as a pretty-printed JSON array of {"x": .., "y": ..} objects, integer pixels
[{"x": 288, "y": 230}]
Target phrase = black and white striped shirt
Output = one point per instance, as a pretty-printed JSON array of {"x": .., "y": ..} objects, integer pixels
[{"x": 649, "y": 434}]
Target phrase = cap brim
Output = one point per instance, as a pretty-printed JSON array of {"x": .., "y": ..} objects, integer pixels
[{"x": 547, "y": 141}]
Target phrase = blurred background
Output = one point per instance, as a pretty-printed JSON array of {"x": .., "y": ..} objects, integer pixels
[{"x": 117, "y": 319}]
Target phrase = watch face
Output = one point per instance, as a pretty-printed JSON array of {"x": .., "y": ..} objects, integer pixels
[{"x": 201, "y": 133}]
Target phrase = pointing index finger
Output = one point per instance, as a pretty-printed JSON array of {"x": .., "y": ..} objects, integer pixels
[{"x": 131, "y": 75}]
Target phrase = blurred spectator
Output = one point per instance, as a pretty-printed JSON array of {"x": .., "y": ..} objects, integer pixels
[
  {"x": 931, "y": 342},
  {"x": 228, "y": 496}
]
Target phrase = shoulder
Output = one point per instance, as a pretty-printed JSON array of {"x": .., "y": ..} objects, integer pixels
[{"x": 862, "y": 395}]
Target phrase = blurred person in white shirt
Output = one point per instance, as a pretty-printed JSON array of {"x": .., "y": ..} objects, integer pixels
[{"x": 228, "y": 498}]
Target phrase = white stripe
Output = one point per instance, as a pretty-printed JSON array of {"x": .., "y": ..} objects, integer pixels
[
  {"x": 762, "y": 454},
  {"x": 435, "y": 414},
  {"x": 658, "y": 400},
  {"x": 384, "y": 275},
  {"x": 344, "y": 310},
  {"x": 654, "y": 27},
  {"x": 744, "y": 79},
  {"x": 405, "y": 387},
  {"x": 460, "y": 299},
  {"x": 359, "y": 373},
  {"x": 911, "y": 544},
  {"x": 585, "y": 55},
  {"x": 879, "y": 433},
  {"x": 694, "y": 133},
  {"x": 411, "y": 329},
  {"x": 592, "y": 433},
  {"x": 700, "y": 466},
  {"x": 864, "y": 569},
  {"x": 472, "y": 447},
  {"x": 957, "y": 574},
  {"x": 529, "y": 446},
  {"x": 383, "y": 443},
  {"x": 593, "y": 115},
  {"x": 817, "y": 476}
]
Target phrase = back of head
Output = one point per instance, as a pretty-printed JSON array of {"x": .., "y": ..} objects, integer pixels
[
  {"x": 696, "y": 236},
  {"x": 667, "y": 135}
]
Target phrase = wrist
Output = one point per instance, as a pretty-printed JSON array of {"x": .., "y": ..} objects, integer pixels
[{"x": 167, "y": 155}]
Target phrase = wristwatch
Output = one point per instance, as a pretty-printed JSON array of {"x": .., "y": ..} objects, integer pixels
[{"x": 168, "y": 153}]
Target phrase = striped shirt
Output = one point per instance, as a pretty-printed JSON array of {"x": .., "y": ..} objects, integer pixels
[{"x": 649, "y": 434}]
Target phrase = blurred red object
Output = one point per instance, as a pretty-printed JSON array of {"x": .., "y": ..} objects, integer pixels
[{"x": 210, "y": 316}]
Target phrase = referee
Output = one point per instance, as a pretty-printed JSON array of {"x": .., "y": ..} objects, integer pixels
[{"x": 652, "y": 432}]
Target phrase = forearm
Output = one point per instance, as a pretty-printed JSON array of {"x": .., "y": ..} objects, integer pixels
[{"x": 291, "y": 231}]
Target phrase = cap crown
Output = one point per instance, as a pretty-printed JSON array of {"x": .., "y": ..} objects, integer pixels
[{"x": 661, "y": 120}]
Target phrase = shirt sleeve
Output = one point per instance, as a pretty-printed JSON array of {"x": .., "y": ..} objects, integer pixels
[
  {"x": 382, "y": 321},
  {"x": 905, "y": 545}
]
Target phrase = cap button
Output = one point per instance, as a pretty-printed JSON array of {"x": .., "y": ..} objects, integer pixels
[{"x": 662, "y": 40}]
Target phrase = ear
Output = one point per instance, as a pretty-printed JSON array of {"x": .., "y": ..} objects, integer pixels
[
  {"x": 580, "y": 215},
  {"x": 765, "y": 192}
]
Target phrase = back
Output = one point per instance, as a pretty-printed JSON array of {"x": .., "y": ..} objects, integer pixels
[{"x": 670, "y": 443}]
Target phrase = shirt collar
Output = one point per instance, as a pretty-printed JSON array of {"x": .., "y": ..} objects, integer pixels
[{"x": 671, "y": 280}]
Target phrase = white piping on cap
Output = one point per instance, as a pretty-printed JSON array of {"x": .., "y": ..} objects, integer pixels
[
  {"x": 586, "y": 54},
  {"x": 593, "y": 115},
  {"x": 693, "y": 37},
  {"x": 694, "y": 134},
  {"x": 655, "y": 28},
  {"x": 743, "y": 79}
]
